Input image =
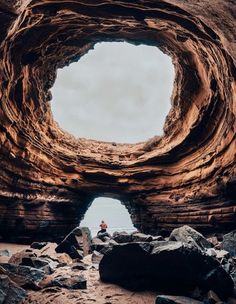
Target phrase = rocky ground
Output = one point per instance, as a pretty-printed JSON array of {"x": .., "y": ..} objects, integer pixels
[{"x": 132, "y": 268}]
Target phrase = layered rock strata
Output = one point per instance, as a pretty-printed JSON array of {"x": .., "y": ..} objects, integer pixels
[{"x": 48, "y": 178}]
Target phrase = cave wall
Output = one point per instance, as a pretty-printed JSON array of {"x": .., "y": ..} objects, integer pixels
[{"x": 48, "y": 178}]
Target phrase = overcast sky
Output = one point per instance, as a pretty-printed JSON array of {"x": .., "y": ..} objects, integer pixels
[{"x": 116, "y": 92}]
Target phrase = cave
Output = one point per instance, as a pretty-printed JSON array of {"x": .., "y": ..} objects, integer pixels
[{"x": 48, "y": 178}]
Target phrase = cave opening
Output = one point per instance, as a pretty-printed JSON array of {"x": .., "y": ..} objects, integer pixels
[
  {"x": 118, "y": 92},
  {"x": 112, "y": 211}
]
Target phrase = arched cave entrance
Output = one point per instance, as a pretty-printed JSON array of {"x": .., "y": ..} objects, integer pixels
[
  {"x": 117, "y": 92},
  {"x": 112, "y": 211}
]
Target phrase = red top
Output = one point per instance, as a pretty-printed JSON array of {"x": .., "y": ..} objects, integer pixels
[{"x": 103, "y": 226}]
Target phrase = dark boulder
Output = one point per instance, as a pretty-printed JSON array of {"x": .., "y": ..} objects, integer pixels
[
  {"x": 165, "y": 299},
  {"x": 122, "y": 237},
  {"x": 38, "y": 245},
  {"x": 24, "y": 276},
  {"x": 141, "y": 237},
  {"x": 39, "y": 263},
  {"x": 229, "y": 242},
  {"x": 188, "y": 235},
  {"x": 104, "y": 236},
  {"x": 173, "y": 268},
  {"x": 70, "y": 282},
  {"x": 98, "y": 244},
  {"x": 77, "y": 243},
  {"x": 10, "y": 293}
]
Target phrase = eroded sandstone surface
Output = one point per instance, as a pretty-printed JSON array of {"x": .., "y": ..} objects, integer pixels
[{"x": 48, "y": 178}]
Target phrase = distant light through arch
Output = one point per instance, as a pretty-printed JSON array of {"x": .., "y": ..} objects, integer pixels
[
  {"x": 112, "y": 212},
  {"x": 116, "y": 92}
]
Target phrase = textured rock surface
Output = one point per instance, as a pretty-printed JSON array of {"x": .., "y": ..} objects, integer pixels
[
  {"x": 48, "y": 178},
  {"x": 10, "y": 293},
  {"x": 174, "y": 267}
]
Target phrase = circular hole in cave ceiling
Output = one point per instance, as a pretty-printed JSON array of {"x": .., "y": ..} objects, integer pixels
[{"x": 117, "y": 92}]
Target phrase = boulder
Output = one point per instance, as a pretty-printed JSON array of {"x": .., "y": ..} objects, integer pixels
[
  {"x": 165, "y": 299},
  {"x": 219, "y": 281},
  {"x": 188, "y": 235},
  {"x": 98, "y": 244},
  {"x": 77, "y": 243},
  {"x": 24, "y": 276},
  {"x": 122, "y": 237},
  {"x": 229, "y": 242},
  {"x": 104, "y": 236},
  {"x": 17, "y": 257},
  {"x": 10, "y": 293},
  {"x": 174, "y": 268},
  {"x": 47, "y": 266},
  {"x": 141, "y": 237}
]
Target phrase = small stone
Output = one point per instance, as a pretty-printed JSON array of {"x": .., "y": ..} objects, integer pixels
[
  {"x": 211, "y": 252},
  {"x": 158, "y": 238},
  {"x": 221, "y": 254},
  {"x": 213, "y": 240},
  {"x": 165, "y": 299},
  {"x": 38, "y": 245},
  {"x": 73, "y": 282},
  {"x": 5, "y": 252},
  {"x": 229, "y": 242}
]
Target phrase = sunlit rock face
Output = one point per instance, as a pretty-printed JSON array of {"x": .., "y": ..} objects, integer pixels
[{"x": 48, "y": 178}]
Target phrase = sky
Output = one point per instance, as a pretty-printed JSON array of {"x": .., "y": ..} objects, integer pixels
[
  {"x": 117, "y": 92},
  {"x": 114, "y": 214}
]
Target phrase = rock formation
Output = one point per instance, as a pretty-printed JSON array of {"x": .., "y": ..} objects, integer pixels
[{"x": 48, "y": 178}]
